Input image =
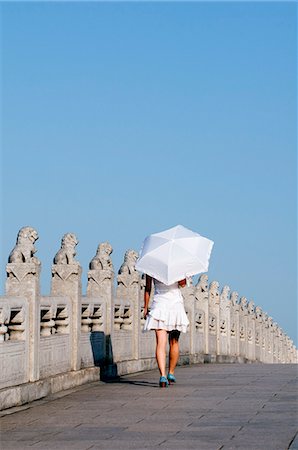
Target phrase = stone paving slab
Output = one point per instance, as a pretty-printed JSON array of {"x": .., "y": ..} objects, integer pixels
[{"x": 212, "y": 407}]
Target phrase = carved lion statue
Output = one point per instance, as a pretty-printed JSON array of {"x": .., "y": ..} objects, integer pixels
[
  {"x": 128, "y": 266},
  {"x": 213, "y": 291},
  {"x": 102, "y": 260},
  {"x": 224, "y": 297},
  {"x": 265, "y": 319},
  {"x": 202, "y": 285},
  {"x": 243, "y": 303},
  {"x": 234, "y": 298},
  {"x": 258, "y": 312},
  {"x": 67, "y": 251},
  {"x": 24, "y": 249},
  {"x": 251, "y": 307}
]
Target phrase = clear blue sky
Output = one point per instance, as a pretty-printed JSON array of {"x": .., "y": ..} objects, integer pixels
[{"x": 123, "y": 119}]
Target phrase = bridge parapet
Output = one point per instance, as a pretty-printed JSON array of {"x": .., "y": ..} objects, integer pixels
[{"x": 51, "y": 343}]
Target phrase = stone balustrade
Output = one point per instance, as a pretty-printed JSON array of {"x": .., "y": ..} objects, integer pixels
[{"x": 51, "y": 343}]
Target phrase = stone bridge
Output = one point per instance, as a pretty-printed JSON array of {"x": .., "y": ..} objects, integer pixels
[{"x": 52, "y": 343}]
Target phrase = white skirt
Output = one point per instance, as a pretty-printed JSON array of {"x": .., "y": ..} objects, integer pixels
[{"x": 167, "y": 313}]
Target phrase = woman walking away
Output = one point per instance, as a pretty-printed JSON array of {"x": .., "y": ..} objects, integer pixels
[{"x": 168, "y": 318}]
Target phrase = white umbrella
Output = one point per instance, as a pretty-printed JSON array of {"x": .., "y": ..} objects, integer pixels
[{"x": 174, "y": 254}]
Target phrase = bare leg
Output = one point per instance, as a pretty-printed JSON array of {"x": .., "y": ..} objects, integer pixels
[
  {"x": 174, "y": 351},
  {"x": 161, "y": 344}
]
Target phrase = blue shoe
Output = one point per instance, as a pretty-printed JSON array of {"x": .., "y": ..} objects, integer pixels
[
  {"x": 163, "y": 382},
  {"x": 171, "y": 378}
]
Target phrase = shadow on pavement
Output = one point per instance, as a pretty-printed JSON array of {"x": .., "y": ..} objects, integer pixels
[{"x": 135, "y": 383}]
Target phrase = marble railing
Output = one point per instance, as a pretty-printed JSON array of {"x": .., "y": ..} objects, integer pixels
[{"x": 51, "y": 343}]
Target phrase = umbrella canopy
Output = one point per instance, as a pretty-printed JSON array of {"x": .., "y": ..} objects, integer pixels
[{"x": 174, "y": 254}]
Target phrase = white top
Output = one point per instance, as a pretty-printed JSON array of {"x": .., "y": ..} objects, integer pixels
[
  {"x": 161, "y": 288},
  {"x": 167, "y": 310}
]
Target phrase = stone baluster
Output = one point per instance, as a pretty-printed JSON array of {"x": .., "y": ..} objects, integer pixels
[
  {"x": 291, "y": 350},
  {"x": 280, "y": 335},
  {"x": 142, "y": 285},
  {"x": 4, "y": 336},
  {"x": 118, "y": 314},
  {"x": 287, "y": 356},
  {"x": 4, "y": 320},
  {"x": 201, "y": 315},
  {"x": 243, "y": 327},
  {"x": 100, "y": 286},
  {"x": 86, "y": 321},
  {"x": 294, "y": 354},
  {"x": 270, "y": 340},
  {"x": 267, "y": 348},
  {"x": 258, "y": 333},
  {"x": 264, "y": 348},
  {"x": 98, "y": 318},
  {"x": 234, "y": 324},
  {"x": 23, "y": 273},
  {"x": 66, "y": 281},
  {"x": 251, "y": 331},
  {"x": 224, "y": 322},
  {"x": 141, "y": 296},
  {"x": 127, "y": 316},
  {"x": 213, "y": 319},
  {"x": 294, "y": 359},
  {"x": 284, "y": 348},
  {"x": 47, "y": 320},
  {"x": 188, "y": 340},
  {"x": 276, "y": 343},
  {"x": 62, "y": 320},
  {"x": 128, "y": 291},
  {"x": 16, "y": 325}
]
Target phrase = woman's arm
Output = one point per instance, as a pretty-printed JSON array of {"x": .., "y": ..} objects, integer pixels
[{"x": 147, "y": 293}]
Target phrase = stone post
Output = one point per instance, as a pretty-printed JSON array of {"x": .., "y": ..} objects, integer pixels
[
  {"x": 5, "y": 314},
  {"x": 202, "y": 315},
  {"x": 101, "y": 285},
  {"x": 277, "y": 347},
  {"x": 287, "y": 340},
  {"x": 213, "y": 325},
  {"x": 258, "y": 333},
  {"x": 251, "y": 331},
  {"x": 291, "y": 352},
  {"x": 23, "y": 280},
  {"x": 66, "y": 282},
  {"x": 234, "y": 324},
  {"x": 243, "y": 327},
  {"x": 128, "y": 289},
  {"x": 270, "y": 340},
  {"x": 187, "y": 341},
  {"x": 265, "y": 333},
  {"x": 283, "y": 348},
  {"x": 224, "y": 322}
]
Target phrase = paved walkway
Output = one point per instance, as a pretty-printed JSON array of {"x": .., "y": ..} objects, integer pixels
[{"x": 212, "y": 406}]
